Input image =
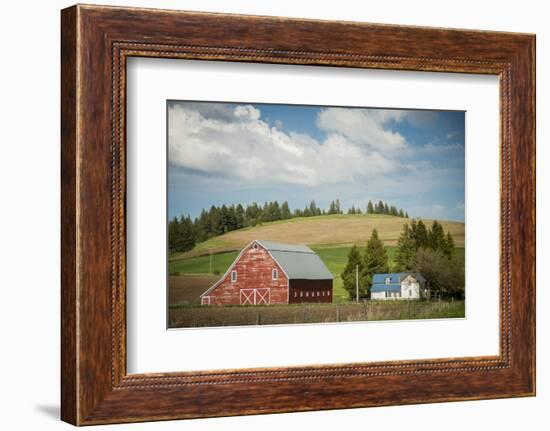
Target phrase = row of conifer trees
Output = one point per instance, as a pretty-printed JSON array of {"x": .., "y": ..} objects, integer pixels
[{"x": 185, "y": 232}]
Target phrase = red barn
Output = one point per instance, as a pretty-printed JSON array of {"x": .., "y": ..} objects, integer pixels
[{"x": 267, "y": 272}]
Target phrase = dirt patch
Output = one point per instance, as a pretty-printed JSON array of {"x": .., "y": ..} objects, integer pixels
[{"x": 186, "y": 289}]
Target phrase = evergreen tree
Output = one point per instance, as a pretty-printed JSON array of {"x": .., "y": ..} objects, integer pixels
[
  {"x": 375, "y": 259},
  {"x": 253, "y": 214},
  {"x": 275, "y": 211},
  {"x": 421, "y": 235},
  {"x": 202, "y": 228},
  {"x": 239, "y": 217},
  {"x": 401, "y": 214},
  {"x": 266, "y": 213},
  {"x": 370, "y": 208},
  {"x": 224, "y": 219},
  {"x": 184, "y": 235},
  {"x": 358, "y": 211},
  {"x": 332, "y": 208},
  {"x": 350, "y": 272},
  {"x": 214, "y": 221},
  {"x": 412, "y": 232},
  {"x": 449, "y": 246},
  {"x": 406, "y": 249},
  {"x": 231, "y": 218},
  {"x": 393, "y": 211},
  {"x": 173, "y": 230},
  {"x": 312, "y": 208},
  {"x": 351, "y": 210},
  {"x": 379, "y": 208},
  {"x": 386, "y": 209},
  {"x": 436, "y": 237},
  {"x": 337, "y": 207},
  {"x": 285, "y": 211},
  {"x": 406, "y": 215}
]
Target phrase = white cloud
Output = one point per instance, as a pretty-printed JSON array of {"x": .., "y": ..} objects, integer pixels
[
  {"x": 364, "y": 126},
  {"x": 235, "y": 142}
]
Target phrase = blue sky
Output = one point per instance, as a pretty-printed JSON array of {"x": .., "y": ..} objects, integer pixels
[{"x": 229, "y": 153}]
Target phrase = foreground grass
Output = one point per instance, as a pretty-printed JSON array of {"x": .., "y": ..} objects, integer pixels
[{"x": 194, "y": 316}]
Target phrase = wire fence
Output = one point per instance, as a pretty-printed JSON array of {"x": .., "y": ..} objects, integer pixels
[{"x": 192, "y": 316}]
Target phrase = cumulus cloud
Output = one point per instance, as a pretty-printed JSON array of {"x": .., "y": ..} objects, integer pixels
[
  {"x": 365, "y": 127},
  {"x": 234, "y": 141}
]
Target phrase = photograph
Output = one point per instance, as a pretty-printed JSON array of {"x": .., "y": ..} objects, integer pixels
[{"x": 300, "y": 214}]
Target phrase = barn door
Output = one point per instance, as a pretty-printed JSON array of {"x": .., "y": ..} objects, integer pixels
[
  {"x": 248, "y": 297},
  {"x": 263, "y": 296},
  {"x": 255, "y": 296}
]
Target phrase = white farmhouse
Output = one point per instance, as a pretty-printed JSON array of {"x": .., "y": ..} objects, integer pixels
[{"x": 401, "y": 285}]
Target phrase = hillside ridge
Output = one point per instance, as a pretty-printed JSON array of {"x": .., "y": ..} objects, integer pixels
[{"x": 326, "y": 230}]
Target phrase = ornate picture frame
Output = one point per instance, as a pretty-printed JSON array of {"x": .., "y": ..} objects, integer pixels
[{"x": 96, "y": 41}]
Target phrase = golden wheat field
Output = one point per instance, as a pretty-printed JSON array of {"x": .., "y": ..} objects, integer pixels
[{"x": 329, "y": 230}]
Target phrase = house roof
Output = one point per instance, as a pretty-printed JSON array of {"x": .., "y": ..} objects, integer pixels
[
  {"x": 297, "y": 261},
  {"x": 385, "y": 288},
  {"x": 395, "y": 278}
]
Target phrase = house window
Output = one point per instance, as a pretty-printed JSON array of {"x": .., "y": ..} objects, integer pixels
[
  {"x": 301, "y": 294},
  {"x": 388, "y": 279},
  {"x": 295, "y": 294},
  {"x": 274, "y": 274},
  {"x": 410, "y": 293},
  {"x": 255, "y": 246},
  {"x": 317, "y": 293},
  {"x": 307, "y": 293},
  {"x": 233, "y": 276}
]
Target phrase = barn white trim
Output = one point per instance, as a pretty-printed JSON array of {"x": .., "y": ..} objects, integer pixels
[
  {"x": 205, "y": 300},
  {"x": 226, "y": 273},
  {"x": 259, "y": 296}
]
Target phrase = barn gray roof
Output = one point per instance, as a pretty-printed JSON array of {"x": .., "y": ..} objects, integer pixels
[{"x": 297, "y": 261}]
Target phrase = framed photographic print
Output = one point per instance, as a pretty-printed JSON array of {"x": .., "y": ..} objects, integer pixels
[{"x": 287, "y": 207}]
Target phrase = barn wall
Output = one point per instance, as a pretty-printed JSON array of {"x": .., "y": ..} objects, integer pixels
[
  {"x": 310, "y": 291},
  {"x": 253, "y": 272}
]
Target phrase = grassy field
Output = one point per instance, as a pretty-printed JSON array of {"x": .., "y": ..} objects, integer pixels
[
  {"x": 190, "y": 277},
  {"x": 331, "y": 237},
  {"x": 320, "y": 231},
  {"x": 201, "y": 264},
  {"x": 204, "y": 316}
]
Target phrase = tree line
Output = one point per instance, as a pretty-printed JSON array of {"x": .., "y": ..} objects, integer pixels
[
  {"x": 184, "y": 232},
  {"x": 428, "y": 251},
  {"x": 383, "y": 208}
]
